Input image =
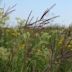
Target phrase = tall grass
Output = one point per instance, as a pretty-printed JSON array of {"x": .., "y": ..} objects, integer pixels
[
  {"x": 36, "y": 51},
  {"x": 35, "y": 48}
]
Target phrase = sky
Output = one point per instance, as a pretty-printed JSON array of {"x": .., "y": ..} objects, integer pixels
[{"x": 63, "y": 8}]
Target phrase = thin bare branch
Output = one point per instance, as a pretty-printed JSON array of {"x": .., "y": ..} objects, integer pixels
[
  {"x": 31, "y": 20},
  {"x": 28, "y": 17},
  {"x": 47, "y": 11},
  {"x": 9, "y": 10},
  {"x": 43, "y": 21}
]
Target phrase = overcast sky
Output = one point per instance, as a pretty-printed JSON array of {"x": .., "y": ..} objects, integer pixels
[{"x": 23, "y": 7}]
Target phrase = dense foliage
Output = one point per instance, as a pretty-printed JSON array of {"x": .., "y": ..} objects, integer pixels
[{"x": 33, "y": 50}]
